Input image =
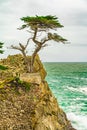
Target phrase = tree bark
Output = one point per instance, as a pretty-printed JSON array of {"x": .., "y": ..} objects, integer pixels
[{"x": 33, "y": 57}]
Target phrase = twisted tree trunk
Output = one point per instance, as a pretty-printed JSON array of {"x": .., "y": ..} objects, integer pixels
[{"x": 33, "y": 58}]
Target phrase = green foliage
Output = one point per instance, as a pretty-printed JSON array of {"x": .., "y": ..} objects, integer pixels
[
  {"x": 23, "y": 84},
  {"x": 56, "y": 37},
  {"x": 1, "y": 51},
  {"x": 17, "y": 83},
  {"x": 1, "y": 45},
  {"x": 3, "y": 67},
  {"x": 43, "y": 22},
  {"x": 26, "y": 86}
]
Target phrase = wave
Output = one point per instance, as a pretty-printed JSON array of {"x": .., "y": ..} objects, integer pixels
[
  {"x": 78, "y": 121},
  {"x": 68, "y": 82},
  {"x": 83, "y": 90},
  {"x": 78, "y": 78},
  {"x": 80, "y": 89}
]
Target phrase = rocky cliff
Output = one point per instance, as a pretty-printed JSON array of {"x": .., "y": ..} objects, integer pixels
[{"x": 26, "y": 101}]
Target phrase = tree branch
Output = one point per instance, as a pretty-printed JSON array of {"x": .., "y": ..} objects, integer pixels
[
  {"x": 28, "y": 42},
  {"x": 45, "y": 40},
  {"x": 34, "y": 37},
  {"x": 30, "y": 31},
  {"x": 35, "y": 33},
  {"x": 40, "y": 30},
  {"x": 45, "y": 45},
  {"x": 21, "y": 48},
  {"x": 15, "y": 47}
]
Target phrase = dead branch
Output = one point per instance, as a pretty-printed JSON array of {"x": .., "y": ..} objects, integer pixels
[{"x": 15, "y": 47}]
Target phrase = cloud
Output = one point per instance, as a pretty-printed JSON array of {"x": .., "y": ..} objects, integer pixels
[
  {"x": 72, "y": 14},
  {"x": 82, "y": 19},
  {"x": 64, "y": 53}
]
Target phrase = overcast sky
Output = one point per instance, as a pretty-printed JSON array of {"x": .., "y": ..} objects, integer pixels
[{"x": 71, "y": 13}]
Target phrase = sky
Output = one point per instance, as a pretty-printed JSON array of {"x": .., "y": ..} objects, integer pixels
[{"x": 71, "y": 13}]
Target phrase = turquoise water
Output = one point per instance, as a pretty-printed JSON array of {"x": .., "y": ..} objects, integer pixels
[{"x": 68, "y": 82}]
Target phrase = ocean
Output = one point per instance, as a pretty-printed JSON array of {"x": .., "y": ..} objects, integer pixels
[{"x": 68, "y": 82}]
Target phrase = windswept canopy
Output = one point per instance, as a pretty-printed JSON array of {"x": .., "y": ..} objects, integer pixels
[
  {"x": 41, "y": 22},
  {"x": 40, "y": 28}
]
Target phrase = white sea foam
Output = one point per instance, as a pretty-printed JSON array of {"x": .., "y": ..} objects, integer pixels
[
  {"x": 76, "y": 78},
  {"x": 83, "y": 90},
  {"x": 78, "y": 121},
  {"x": 79, "y": 78},
  {"x": 80, "y": 89},
  {"x": 72, "y": 89}
]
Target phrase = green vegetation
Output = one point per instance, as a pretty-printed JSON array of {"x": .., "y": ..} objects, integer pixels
[
  {"x": 17, "y": 83},
  {"x": 1, "y": 45},
  {"x": 3, "y": 67},
  {"x": 41, "y": 22},
  {"x": 1, "y": 52},
  {"x": 41, "y": 28}
]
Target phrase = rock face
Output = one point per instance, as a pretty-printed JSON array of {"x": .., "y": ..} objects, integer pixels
[
  {"x": 48, "y": 113},
  {"x": 31, "y": 77},
  {"x": 15, "y": 64},
  {"x": 34, "y": 109}
]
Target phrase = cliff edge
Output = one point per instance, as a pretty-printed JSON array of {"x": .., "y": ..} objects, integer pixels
[{"x": 26, "y": 101}]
